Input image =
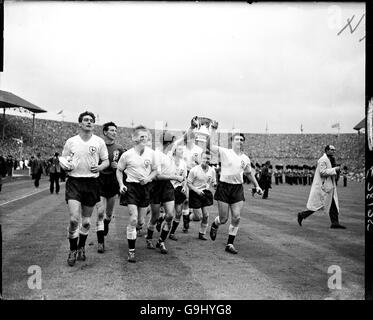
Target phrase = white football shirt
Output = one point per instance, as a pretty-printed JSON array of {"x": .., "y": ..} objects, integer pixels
[
  {"x": 233, "y": 166},
  {"x": 200, "y": 178},
  {"x": 85, "y": 154},
  {"x": 137, "y": 167},
  {"x": 180, "y": 170}
]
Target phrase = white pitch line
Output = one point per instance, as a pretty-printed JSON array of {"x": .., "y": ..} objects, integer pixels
[{"x": 27, "y": 195}]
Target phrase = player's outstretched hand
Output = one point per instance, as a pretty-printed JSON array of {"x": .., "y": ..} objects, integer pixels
[
  {"x": 122, "y": 189},
  {"x": 194, "y": 122},
  {"x": 214, "y": 124},
  {"x": 259, "y": 190}
]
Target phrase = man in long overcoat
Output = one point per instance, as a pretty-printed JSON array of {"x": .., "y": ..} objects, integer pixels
[{"x": 323, "y": 194}]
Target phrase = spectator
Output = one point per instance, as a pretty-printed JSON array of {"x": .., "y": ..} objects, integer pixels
[
  {"x": 2, "y": 170},
  {"x": 36, "y": 170},
  {"x": 9, "y": 165},
  {"x": 323, "y": 194},
  {"x": 54, "y": 173},
  {"x": 344, "y": 174},
  {"x": 266, "y": 179}
]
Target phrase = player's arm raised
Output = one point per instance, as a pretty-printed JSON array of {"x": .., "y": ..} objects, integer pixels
[
  {"x": 212, "y": 140},
  {"x": 184, "y": 137}
]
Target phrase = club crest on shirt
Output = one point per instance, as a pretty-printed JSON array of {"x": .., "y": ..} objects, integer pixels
[
  {"x": 146, "y": 163},
  {"x": 92, "y": 150},
  {"x": 115, "y": 155},
  {"x": 243, "y": 164}
]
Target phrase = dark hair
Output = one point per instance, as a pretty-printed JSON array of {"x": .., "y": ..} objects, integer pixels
[
  {"x": 106, "y": 126},
  {"x": 328, "y": 147},
  {"x": 86, "y": 113},
  {"x": 238, "y": 134},
  {"x": 56, "y": 154},
  {"x": 167, "y": 138}
]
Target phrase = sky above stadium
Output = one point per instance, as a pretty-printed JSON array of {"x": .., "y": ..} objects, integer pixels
[{"x": 258, "y": 67}]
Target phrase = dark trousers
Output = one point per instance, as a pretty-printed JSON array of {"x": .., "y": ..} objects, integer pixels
[
  {"x": 345, "y": 181},
  {"x": 333, "y": 213},
  {"x": 54, "y": 178},
  {"x": 37, "y": 178},
  {"x": 265, "y": 193},
  {"x": 277, "y": 180}
]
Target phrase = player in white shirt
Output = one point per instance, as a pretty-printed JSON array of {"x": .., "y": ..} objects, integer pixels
[
  {"x": 229, "y": 193},
  {"x": 141, "y": 220},
  {"x": 84, "y": 152},
  {"x": 200, "y": 179},
  {"x": 181, "y": 203},
  {"x": 140, "y": 165},
  {"x": 163, "y": 193},
  {"x": 192, "y": 157}
]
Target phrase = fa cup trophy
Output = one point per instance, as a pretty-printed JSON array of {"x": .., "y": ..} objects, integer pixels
[{"x": 202, "y": 127}]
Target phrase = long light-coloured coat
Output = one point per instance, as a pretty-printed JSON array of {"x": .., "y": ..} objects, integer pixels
[{"x": 324, "y": 188}]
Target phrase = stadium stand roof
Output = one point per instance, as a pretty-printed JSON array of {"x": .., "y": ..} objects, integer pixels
[
  {"x": 360, "y": 125},
  {"x": 10, "y": 100}
]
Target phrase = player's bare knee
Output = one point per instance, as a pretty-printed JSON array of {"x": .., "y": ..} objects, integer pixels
[
  {"x": 178, "y": 215},
  {"x": 235, "y": 221},
  {"x": 141, "y": 221},
  {"x": 223, "y": 220},
  {"x": 74, "y": 223},
  {"x": 168, "y": 218},
  {"x": 86, "y": 224},
  {"x": 205, "y": 219},
  {"x": 133, "y": 222}
]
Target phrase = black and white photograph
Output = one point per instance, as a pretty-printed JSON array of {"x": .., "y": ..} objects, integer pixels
[{"x": 194, "y": 151}]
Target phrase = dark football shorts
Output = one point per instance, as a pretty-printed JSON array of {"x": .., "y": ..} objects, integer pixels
[
  {"x": 109, "y": 186},
  {"x": 196, "y": 201},
  {"x": 84, "y": 190},
  {"x": 136, "y": 194},
  {"x": 162, "y": 191},
  {"x": 180, "y": 197},
  {"x": 229, "y": 193}
]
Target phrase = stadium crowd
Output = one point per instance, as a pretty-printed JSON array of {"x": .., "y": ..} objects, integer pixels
[{"x": 291, "y": 154}]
